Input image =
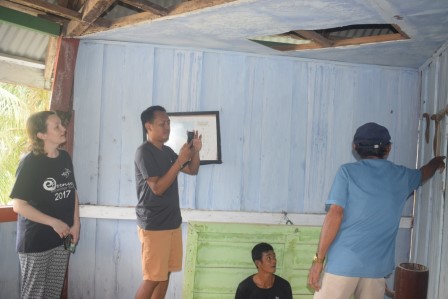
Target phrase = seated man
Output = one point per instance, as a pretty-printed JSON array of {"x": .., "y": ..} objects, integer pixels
[{"x": 264, "y": 284}]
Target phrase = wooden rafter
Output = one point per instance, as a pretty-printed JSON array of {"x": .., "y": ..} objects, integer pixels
[
  {"x": 396, "y": 27},
  {"x": 50, "y": 58},
  {"x": 21, "y": 8},
  {"x": 33, "y": 12},
  {"x": 93, "y": 9},
  {"x": 49, "y": 8},
  {"x": 315, "y": 37},
  {"x": 319, "y": 41},
  {"x": 29, "y": 21},
  {"x": 369, "y": 39},
  {"x": 309, "y": 46},
  {"x": 192, "y": 5},
  {"x": 183, "y": 7},
  {"x": 147, "y": 6},
  {"x": 79, "y": 17},
  {"x": 133, "y": 19}
]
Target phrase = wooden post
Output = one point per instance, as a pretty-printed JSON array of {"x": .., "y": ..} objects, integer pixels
[
  {"x": 411, "y": 282},
  {"x": 62, "y": 99},
  {"x": 7, "y": 214}
]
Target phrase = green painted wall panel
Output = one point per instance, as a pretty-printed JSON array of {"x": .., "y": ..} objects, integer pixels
[
  {"x": 219, "y": 256},
  {"x": 219, "y": 280},
  {"x": 27, "y": 21}
]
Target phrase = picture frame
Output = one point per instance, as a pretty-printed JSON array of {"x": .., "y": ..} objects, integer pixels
[{"x": 207, "y": 125}]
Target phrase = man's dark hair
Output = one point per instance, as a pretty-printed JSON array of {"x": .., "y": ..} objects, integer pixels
[
  {"x": 148, "y": 116},
  {"x": 368, "y": 150},
  {"x": 257, "y": 251}
]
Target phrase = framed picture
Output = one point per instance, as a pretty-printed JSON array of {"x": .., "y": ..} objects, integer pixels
[{"x": 207, "y": 125}]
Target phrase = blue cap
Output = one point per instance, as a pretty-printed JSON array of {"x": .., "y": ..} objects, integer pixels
[{"x": 371, "y": 135}]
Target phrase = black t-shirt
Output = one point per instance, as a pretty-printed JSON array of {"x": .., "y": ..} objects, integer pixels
[
  {"x": 247, "y": 289},
  {"x": 47, "y": 184},
  {"x": 156, "y": 212}
]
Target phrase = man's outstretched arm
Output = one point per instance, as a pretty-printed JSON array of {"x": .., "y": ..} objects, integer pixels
[{"x": 431, "y": 167}]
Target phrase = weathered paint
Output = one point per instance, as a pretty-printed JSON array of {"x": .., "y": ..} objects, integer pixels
[
  {"x": 430, "y": 241},
  {"x": 62, "y": 95},
  {"x": 230, "y": 27},
  {"x": 9, "y": 262},
  {"x": 286, "y": 126}
]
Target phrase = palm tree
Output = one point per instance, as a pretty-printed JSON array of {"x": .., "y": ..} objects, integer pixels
[{"x": 16, "y": 104}]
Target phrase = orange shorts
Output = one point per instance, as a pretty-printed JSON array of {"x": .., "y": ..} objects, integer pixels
[{"x": 161, "y": 253}]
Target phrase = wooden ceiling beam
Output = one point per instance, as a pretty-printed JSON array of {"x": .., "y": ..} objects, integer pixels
[
  {"x": 21, "y": 8},
  {"x": 93, "y": 9},
  {"x": 369, "y": 39},
  {"x": 192, "y": 5},
  {"x": 50, "y": 59},
  {"x": 133, "y": 19},
  {"x": 396, "y": 27},
  {"x": 89, "y": 20},
  {"x": 309, "y": 46},
  {"x": 72, "y": 4},
  {"x": 344, "y": 42},
  {"x": 78, "y": 28},
  {"x": 147, "y": 6},
  {"x": 183, "y": 7},
  {"x": 49, "y": 8},
  {"x": 29, "y": 21},
  {"x": 315, "y": 37},
  {"x": 33, "y": 12}
]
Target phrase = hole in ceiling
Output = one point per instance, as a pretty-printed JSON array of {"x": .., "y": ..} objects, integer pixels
[{"x": 297, "y": 40}]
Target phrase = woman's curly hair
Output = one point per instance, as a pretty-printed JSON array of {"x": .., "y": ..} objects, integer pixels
[{"x": 37, "y": 123}]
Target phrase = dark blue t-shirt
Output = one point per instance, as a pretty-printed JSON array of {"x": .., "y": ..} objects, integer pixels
[
  {"x": 47, "y": 184},
  {"x": 247, "y": 289}
]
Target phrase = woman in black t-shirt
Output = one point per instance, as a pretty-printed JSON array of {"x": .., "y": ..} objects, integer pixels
[{"x": 44, "y": 195}]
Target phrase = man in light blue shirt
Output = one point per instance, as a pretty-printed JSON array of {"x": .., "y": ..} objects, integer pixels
[{"x": 364, "y": 208}]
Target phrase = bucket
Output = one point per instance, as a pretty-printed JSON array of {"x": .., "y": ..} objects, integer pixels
[{"x": 411, "y": 282}]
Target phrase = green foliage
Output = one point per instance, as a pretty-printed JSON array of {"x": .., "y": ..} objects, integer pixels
[{"x": 17, "y": 103}]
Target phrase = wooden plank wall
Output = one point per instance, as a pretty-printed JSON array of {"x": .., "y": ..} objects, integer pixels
[
  {"x": 219, "y": 257},
  {"x": 286, "y": 126},
  {"x": 430, "y": 241},
  {"x": 9, "y": 261}
]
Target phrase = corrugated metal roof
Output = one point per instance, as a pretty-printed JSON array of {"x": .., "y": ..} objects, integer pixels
[
  {"x": 20, "y": 42},
  {"x": 22, "y": 47}
]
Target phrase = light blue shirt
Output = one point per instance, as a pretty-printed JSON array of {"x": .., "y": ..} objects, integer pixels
[{"x": 373, "y": 193}]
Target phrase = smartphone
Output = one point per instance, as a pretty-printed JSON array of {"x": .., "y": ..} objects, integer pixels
[{"x": 190, "y": 136}]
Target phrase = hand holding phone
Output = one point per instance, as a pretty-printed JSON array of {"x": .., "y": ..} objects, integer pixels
[{"x": 190, "y": 136}]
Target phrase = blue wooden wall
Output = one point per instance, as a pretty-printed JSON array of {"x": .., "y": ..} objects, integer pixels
[
  {"x": 286, "y": 126},
  {"x": 9, "y": 262},
  {"x": 430, "y": 240}
]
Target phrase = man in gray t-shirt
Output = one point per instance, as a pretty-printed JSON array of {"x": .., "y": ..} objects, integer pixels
[{"x": 158, "y": 212}]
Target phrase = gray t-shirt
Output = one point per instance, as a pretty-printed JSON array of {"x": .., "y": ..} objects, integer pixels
[{"x": 156, "y": 212}]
